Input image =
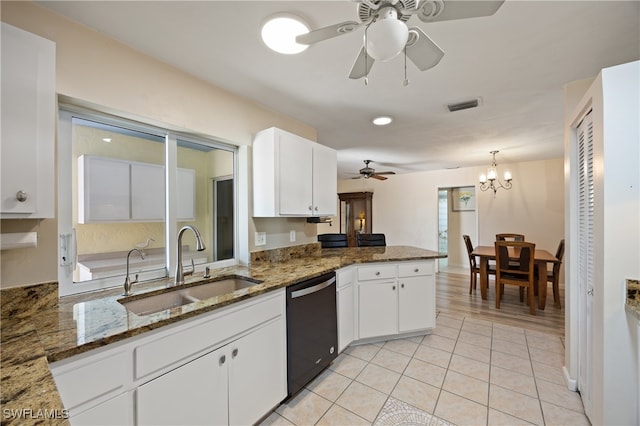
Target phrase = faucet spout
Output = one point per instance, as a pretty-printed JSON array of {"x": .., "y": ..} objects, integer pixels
[
  {"x": 127, "y": 281},
  {"x": 180, "y": 273}
]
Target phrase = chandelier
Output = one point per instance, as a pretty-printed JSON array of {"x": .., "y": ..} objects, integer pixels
[{"x": 491, "y": 181}]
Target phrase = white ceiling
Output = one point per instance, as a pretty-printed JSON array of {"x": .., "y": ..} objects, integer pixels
[{"x": 516, "y": 61}]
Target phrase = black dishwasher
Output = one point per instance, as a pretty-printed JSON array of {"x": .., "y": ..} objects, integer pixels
[{"x": 312, "y": 329}]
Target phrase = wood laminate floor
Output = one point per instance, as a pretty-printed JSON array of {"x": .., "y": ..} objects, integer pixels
[{"x": 452, "y": 296}]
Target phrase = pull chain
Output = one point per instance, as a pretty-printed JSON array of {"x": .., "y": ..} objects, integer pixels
[
  {"x": 366, "y": 56},
  {"x": 405, "y": 83}
]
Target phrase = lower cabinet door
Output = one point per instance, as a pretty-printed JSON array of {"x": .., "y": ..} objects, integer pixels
[
  {"x": 416, "y": 301},
  {"x": 345, "y": 317},
  {"x": 194, "y": 394},
  {"x": 257, "y": 373},
  {"x": 117, "y": 412},
  {"x": 377, "y": 309}
]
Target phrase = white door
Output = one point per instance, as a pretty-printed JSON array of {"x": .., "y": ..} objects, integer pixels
[
  {"x": 194, "y": 394},
  {"x": 257, "y": 373},
  {"x": 325, "y": 181},
  {"x": 586, "y": 259},
  {"x": 377, "y": 309},
  {"x": 345, "y": 316},
  {"x": 117, "y": 412},
  {"x": 295, "y": 171},
  {"x": 416, "y": 301}
]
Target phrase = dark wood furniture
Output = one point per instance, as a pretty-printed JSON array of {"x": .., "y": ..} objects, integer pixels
[
  {"x": 509, "y": 237},
  {"x": 370, "y": 240},
  {"x": 515, "y": 266},
  {"x": 541, "y": 258},
  {"x": 473, "y": 264},
  {"x": 355, "y": 214},
  {"x": 553, "y": 276},
  {"x": 333, "y": 240}
]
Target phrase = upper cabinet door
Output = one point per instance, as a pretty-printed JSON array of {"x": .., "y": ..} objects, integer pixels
[
  {"x": 103, "y": 190},
  {"x": 325, "y": 181},
  {"x": 295, "y": 171},
  {"x": 147, "y": 191},
  {"x": 28, "y": 124}
]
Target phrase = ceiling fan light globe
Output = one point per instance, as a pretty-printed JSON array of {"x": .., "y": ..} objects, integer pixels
[{"x": 386, "y": 38}]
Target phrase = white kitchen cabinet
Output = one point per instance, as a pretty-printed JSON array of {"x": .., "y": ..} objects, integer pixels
[
  {"x": 378, "y": 309},
  {"x": 186, "y": 194},
  {"x": 395, "y": 298},
  {"x": 147, "y": 191},
  {"x": 257, "y": 373},
  {"x": 224, "y": 367},
  {"x": 28, "y": 111},
  {"x": 193, "y": 394},
  {"x": 293, "y": 176},
  {"x": 345, "y": 290},
  {"x": 114, "y": 190}
]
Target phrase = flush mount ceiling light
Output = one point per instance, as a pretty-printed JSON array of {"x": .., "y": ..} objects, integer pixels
[
  {"x": 279, "y": 33},
  {"x": 382, "y": 120}
]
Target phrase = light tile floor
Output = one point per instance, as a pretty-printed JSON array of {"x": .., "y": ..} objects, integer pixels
[{"x": 468, "y": 372}]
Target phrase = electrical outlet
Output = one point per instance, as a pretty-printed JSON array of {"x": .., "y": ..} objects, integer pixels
[
  {"x": 261, "y": 238},
  {"x": 292, "y": 235}
]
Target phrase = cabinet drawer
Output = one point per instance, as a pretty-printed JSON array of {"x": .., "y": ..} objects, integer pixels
[
  {"x": 82, "y": 381},
  {"x": 376, "y": 272},
  {"x": 414, "y": 269}
]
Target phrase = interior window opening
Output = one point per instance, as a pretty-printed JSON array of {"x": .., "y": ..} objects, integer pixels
[{"x": 120, "y": 217}]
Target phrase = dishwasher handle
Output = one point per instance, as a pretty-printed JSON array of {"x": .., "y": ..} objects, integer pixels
[{"x": 313, "y": 289}]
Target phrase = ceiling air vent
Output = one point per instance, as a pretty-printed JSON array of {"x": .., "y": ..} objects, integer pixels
[{"x": 463, "y": 105}]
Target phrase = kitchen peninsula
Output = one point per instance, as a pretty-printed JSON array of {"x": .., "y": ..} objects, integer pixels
[{"x": 38, "y": 328}]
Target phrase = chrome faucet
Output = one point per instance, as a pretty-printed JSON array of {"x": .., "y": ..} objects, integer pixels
[
  {"x": 127, "y": 281},
  {"x": 180, "y": 273}
]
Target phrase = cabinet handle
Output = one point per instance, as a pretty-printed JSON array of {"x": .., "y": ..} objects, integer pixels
[
  {"x": 222, "y": 359},
  {"x": 21, "y": 196},
  {"x": 316, "y": 209},
  {"x": 393, "y": 288},
  {"x": 310, "y": 208},
  {"x": 402, "y": 285},
  {"x": 378, "y": 273},
  {"x": 416, "y": 270},
  {"x": 234, "y": 353}
]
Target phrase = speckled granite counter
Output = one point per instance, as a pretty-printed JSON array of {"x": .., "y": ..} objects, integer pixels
[
  {"x": 633, "y": 297},
  {"x": 38, "y": 328}
]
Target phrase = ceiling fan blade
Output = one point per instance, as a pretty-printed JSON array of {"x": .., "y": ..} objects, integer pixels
[
  {"x": 326, "y": 33},
  {"x": 422, "y": 50},
  {"x": 377, "y": 176},
  {"x": 385, "y": 173},
  {"x": 361, "y": 67},
  {"x": 438, "y": 10}
]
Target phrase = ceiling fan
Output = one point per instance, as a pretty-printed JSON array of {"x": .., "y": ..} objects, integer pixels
[
  {"x": 369, "y": 172},
  {"x": 387, "y": 34}
]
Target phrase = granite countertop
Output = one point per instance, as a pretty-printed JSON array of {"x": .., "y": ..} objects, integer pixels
[
  {"x": 38, "y": 328},
  {"x": 633, "y": 297}
]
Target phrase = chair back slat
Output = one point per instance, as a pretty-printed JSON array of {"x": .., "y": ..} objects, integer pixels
[
  {"x": 333, "y": 240},
  {"x": 365, "y": 240},
  {"x": 509, "y": 237}
]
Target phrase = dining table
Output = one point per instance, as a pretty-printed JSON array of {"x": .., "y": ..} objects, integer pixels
[{"x": 541, "y": 258}]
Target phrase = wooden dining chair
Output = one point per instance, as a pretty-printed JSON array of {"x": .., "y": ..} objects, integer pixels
[
  {"x": 473, "y": 265},
  {"x": 553, "y": 276},
  {"x": 365, "y": 240},
  {"x": 522, "y": 274},
  {"x": 509, "y": 237}
]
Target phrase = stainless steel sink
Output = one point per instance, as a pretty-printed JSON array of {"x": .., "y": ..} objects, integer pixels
[
  {"x": 218, "y": 288},
  {"x": 184, "y": 295}
]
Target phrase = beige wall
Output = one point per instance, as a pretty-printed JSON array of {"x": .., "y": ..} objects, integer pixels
[
  {"x": 134, "y": 86},
  {"x": 534, "y": 206}
]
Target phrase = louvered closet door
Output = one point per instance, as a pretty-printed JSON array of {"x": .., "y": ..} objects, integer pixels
[{"x": 586, "y": 255}]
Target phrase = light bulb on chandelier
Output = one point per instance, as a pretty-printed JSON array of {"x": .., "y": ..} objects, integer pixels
[{"x": 491, "y": 181}]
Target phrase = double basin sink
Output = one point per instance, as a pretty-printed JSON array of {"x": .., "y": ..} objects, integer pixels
[{"x": 183, "y": 295}]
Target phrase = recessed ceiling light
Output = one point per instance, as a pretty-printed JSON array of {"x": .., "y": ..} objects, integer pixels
[
  {"x": 106, "y": 139},
  {"x": 280, "y": 31},
  {"x": 382, "y": 121}
]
